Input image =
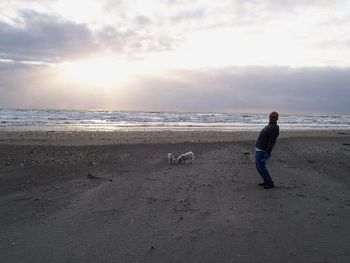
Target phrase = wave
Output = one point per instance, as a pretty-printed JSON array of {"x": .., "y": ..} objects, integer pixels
[{"x": 109, "y": 120}]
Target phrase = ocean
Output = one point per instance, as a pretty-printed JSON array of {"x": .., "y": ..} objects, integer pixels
[{"x": 109, "y": 120}]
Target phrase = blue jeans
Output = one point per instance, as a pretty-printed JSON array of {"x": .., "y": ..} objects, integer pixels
[{"x": 261, "y": 159}]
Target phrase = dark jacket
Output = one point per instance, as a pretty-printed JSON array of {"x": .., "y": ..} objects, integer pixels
[{"x": 267, "y": 137}]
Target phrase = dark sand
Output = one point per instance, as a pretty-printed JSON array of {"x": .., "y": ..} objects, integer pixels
[{"x": 143, "y": 210}]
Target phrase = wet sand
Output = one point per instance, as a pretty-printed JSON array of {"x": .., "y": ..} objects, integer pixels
[{"x": 112, "y": 197}]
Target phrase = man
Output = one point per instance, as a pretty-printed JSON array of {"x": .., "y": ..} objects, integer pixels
[{"x": 263, "y": 147}]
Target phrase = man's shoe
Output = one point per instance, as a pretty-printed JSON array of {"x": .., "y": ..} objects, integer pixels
[
  {"x": 262, "y": 184},
  {"x": 268, "y": 186}
]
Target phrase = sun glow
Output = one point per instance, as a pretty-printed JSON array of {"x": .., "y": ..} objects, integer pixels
[{"x": 102, "y": 71}]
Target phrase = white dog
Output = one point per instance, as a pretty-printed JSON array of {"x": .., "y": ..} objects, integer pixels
[
  {"x": 173, "y": 159},
  {"x": 185, "y": 156}
]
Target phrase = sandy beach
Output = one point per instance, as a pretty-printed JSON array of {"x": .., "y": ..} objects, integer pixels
[{"x": 112, "y": 197}]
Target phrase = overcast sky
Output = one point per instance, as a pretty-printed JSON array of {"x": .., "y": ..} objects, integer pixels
[{"x": 229, "y": 55}]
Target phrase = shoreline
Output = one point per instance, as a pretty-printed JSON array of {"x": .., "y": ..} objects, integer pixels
[{"x": 141, "y": 137}]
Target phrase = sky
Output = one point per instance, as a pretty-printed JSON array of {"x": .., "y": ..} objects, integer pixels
[{"x": 176, "y": 55}]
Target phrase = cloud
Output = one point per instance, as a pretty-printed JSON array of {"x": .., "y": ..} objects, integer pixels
[
  {"x": 231, "y": 89},
  {"x": 132, "y": 42},
  {"x": 40, "y": 87},
  {"x": 312, "y": 90},
  {"x": 60, "y": 30},
  {"x": 44, "y": 38}
]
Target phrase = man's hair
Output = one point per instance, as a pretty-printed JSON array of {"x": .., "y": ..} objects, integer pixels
[{"x": 274, "y": 115}]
